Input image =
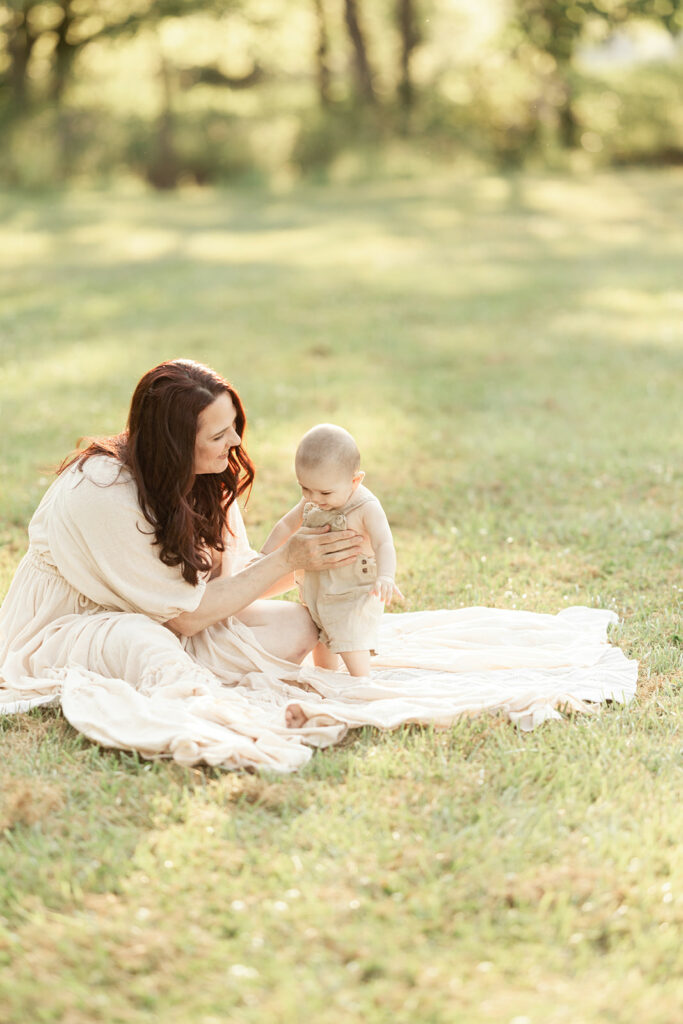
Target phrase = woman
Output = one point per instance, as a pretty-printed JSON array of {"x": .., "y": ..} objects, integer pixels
[
  {"x": 146, "y": 523},
  {"x": 139, "y": 605}
]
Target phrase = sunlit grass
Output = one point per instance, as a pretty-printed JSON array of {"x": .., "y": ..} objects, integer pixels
[{"x": 508, "y": 353}]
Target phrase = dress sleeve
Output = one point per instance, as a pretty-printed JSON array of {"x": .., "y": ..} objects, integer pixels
[
  {"x": 104, "y": 547},
  {"x": 240, "y": 550}
]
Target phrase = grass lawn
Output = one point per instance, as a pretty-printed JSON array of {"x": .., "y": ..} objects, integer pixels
[{"x": 508, "y": 353}]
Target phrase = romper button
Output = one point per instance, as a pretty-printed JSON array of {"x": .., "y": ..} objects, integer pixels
[
  {"x": 365, "y": 570},
  {"x": 364, "y": 561}
]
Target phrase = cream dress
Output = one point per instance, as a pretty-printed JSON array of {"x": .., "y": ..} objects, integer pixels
[{"x": 82, "y": 625}]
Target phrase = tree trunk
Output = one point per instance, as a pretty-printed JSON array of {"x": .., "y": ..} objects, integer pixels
[
  {"x": 568, "y": 125},
  {"x": 321, "y": 54},
  {"x": 19, "y": 46},
  {"x": 410, "y": 39},
  {"x": 361, "y": 64},
  {"x": 64, "y": 53},
  {"x": 162, "y": 170}
]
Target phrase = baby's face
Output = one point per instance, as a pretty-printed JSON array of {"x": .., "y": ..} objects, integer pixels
[{"x": 328, "y": 486}]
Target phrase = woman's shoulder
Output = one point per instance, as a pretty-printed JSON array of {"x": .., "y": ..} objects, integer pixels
[
  {"x": 101, "y": 470},
  {"x": 93, "y": 487},
  {"x": 101, "y": 481}
]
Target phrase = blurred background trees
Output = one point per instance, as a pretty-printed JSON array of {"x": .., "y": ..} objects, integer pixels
[{"x": 186, "y": 91}]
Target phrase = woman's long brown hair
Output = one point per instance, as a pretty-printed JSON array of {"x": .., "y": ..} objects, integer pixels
[{"x": 187, "y": 512}]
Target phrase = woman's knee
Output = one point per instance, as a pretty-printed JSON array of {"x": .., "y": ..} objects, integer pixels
[
  {"x": 282, "y": 627},
  {"x": 304, "y": 636},
  {"x": 295, "y": 631}
]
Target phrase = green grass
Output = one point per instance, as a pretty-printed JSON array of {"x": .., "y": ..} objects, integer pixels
[{"x": 508, "y": 354}]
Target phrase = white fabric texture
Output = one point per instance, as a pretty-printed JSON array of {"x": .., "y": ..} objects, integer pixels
[{"x": 82, "y": 624}]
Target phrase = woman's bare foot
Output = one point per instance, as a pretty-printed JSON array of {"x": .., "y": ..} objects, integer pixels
[{"x": 294, "y": 716}]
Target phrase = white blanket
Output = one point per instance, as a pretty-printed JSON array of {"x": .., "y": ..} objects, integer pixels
[{"x": 82, "y": 625}]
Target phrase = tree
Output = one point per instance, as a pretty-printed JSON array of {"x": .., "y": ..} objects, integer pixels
[
  {"x": 409, "y": 32},
  {"x": 555, "y": 27},
  {"x": 321, "y": 54},
  {"x": 72, "y": 25},
  {"x": 21, "y": 37},
  {"x": 361, "y": 64}
]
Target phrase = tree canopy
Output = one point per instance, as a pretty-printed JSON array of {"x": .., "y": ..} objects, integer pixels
[{"x": 340, "y": 68}]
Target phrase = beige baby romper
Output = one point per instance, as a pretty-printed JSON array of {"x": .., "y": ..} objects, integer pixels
[{"x": 340, "y": 600}]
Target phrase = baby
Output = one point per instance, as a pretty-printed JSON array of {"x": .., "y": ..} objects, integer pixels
[{"x": 346, "y": 603}]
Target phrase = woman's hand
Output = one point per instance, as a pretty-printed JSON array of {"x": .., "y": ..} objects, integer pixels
[{"x": 317, "y": 548}]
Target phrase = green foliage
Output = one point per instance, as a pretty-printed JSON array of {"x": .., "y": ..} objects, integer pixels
[
  {"x": 632, "y": 118},
  {"x": 549, "y": 32},
  {"x": 207, "y": 147},
  {"x": 324, "y": 136},
  {"x": 186, "y": 91},
  {"x": 556, "y": 26}
]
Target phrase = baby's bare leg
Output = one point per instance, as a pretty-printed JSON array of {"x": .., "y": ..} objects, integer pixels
[
  {"x": 357, "y": 662},
  {"x": 324, "y": 658}
]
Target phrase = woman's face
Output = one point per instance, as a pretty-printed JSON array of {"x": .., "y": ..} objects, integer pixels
[{"x": 216, "y": 435}]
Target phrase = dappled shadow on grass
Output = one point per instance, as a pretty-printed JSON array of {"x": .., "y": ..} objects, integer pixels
[
  {"x": 606, "y": 194},
  {"x": 483, "y": 272},
  {"x": 73, "y": 807},
  {"x": 502, "y": 290},
  {"x": 427, "y": 854}
]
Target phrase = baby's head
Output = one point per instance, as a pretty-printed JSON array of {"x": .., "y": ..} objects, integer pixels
[{"x": 327, "y": 465}]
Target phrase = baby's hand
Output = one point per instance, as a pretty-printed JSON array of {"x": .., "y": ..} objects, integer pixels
[{"x": 385, "y": 588}]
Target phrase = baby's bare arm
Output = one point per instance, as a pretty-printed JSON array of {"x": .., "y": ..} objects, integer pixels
[
  {"x": 284, "y": 528},
  {"x": 378, "y": 530}
]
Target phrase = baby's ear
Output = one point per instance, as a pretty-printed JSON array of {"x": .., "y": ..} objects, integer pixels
[{"x": 358, "y": 479}]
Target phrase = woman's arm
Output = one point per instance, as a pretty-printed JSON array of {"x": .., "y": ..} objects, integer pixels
[
  {"x": 281, "y": 532},
  {"x": 308, "y": 548}
]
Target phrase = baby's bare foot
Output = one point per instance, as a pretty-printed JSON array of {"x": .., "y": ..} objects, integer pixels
[{"x": 294, "y": 716}]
